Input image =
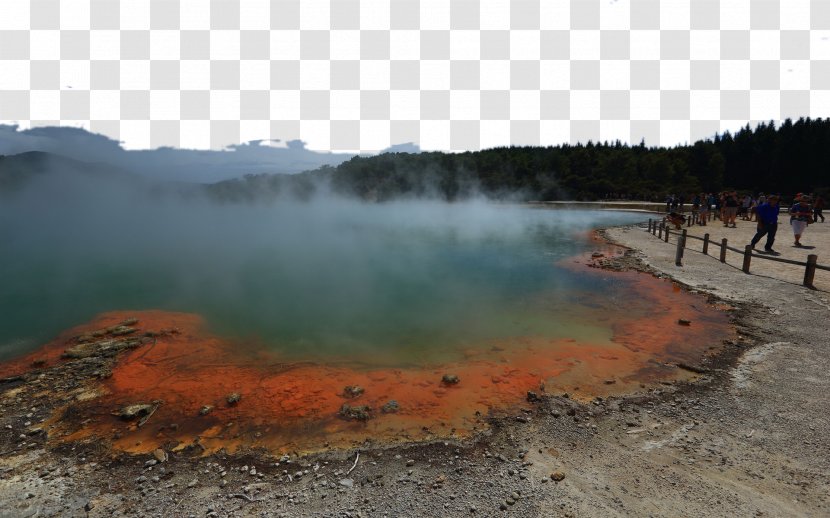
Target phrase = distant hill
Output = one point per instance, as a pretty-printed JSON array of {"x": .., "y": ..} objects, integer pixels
[
  {"x": 16, "y": 171},
  {"x": 787, "y": 159},
  {"x": 169, "y": 164}
]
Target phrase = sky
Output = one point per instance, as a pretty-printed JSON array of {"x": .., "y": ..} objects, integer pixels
[{"x": 353, "y": 76}]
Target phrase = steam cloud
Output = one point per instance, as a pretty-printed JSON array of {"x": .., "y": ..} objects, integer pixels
[{"x": 324, "y": 275}]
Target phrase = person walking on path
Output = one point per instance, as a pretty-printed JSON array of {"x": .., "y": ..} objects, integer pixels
[
  {"x": 818, "y": 206},
  {"x": 801, "y": 215},
  {"x": 767, "y": 224}
]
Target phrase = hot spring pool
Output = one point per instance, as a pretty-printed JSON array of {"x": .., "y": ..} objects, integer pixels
[
  {"x": 289, "y": 305},
  {"x": 385, "y": 283}
]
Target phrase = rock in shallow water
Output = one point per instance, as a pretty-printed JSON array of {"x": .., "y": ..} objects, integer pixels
[
  {"x": 352, "y": 391},
  {"x": 449, "y": 379},
  {"x": 356, "y": 413},
  {"x": 391, "y": 407}
]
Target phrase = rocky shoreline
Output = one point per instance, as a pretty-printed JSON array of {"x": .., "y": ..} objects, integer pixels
[{"x": 744, "y": 439}]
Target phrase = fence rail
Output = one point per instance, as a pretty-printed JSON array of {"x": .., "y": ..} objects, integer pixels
[{"x": 662, "y": 231}]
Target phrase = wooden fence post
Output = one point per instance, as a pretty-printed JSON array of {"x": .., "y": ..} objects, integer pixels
[
  {"x": 810, "y": 270},
  {"x": 747, "y": 258},
  {"x": 666, "y": 237},
  {"x": 649, "y": 225},
  {"x": 723, "y": 250},
  {"x": 681, "y": 242},
  {"x": 660, "y": 232},
  {"x": 706, "y": 244}
]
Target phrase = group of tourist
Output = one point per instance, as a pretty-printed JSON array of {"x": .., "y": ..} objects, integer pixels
[{"x": 764, "y": 210}]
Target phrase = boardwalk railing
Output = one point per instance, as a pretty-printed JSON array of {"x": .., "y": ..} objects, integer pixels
[{"x": 662, "y": 231}]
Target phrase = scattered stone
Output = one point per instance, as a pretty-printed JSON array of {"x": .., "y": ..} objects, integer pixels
[
  {"x": 206, "y": 409},
  {"x": 449, "y": 379},
  {"x": 557, "y": 476},
  {"x": 684, "y": 322},
  {"x": 233, "y": 398},
  {"x": 193, "y": 483},
  {"x": 410, "y": 462},
  {"x": 121, "y": 330},
  {"x": 132, "y": 411},
  {"x": 532, "y": 397},
  {"x": 130, "y": 322},
  {"x": 390, "y": 407},
  {"x": 610, "y": 381},
  {"x": 356, "y": 413},
  {"x": 692, "y": 368},
  {"x": 596, "y": 255},
  {"x": 352, "y": 391},
  {"x": 160, "y": 455},
  {"x": 347, "y": 482}
]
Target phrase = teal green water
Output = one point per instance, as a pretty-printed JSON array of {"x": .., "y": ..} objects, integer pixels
[{"x": 336, "y": 279}]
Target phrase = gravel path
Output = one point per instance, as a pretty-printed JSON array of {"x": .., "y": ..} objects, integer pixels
[{"x": 816, "y": 240}]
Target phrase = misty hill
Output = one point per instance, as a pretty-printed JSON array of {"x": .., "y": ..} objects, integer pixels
[
  {"x": 168, "y": 164},
  {"x": 16, "y": 171}
]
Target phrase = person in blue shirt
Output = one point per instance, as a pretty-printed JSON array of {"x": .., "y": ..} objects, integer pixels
[{"x": 767, "y": 223}]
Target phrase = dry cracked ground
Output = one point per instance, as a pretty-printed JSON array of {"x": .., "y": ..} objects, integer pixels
[{"x": 750, "y": 438}]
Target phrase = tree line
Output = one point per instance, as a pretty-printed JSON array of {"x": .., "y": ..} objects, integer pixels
[{"x": 788, "y": 158}]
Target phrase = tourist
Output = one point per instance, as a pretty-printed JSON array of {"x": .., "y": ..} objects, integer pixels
[
  {"x": 767, "y": 223},
  {"x": 818, "y": 206},
  {"x": 695, "y": 206},
  {"x": 746, "y": 203},
  {"x": 703, "y": 211},
  {"x": 801, "y": 215},
  {"x": 731, "y": 204},
  {"x": 753, "y": 210}
]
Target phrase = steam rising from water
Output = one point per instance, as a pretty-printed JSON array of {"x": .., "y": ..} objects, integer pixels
[{"x": 330, "y": 275}]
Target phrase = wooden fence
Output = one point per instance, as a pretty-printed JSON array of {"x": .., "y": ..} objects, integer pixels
[{"x": 662, "y": 231}]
